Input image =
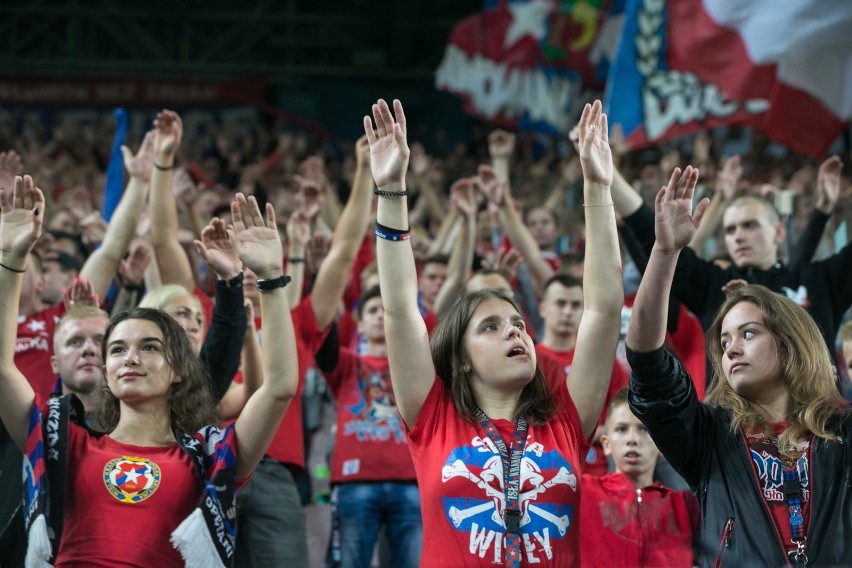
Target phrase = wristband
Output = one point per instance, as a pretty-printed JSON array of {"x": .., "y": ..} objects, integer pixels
[
  {"x": 391, "y": 234},
  {"x": 295, "y": 259},
  {"x": 235, "y": 282},
  {"x": 272, "y": 284},
  {"x": 164, "y": 168}
]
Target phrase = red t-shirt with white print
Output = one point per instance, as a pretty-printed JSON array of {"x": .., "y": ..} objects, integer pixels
[
  {"x": 460, "y": 476},
  {"x": 370, "y": 443}
]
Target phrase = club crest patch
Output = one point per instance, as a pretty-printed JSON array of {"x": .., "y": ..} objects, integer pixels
[{"x": 131, "y": 480}]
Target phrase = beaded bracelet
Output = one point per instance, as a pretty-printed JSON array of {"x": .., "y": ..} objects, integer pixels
[
  {"x": 598, "y": 204},
  {"x": 391, "y": 234},
  {"x": 383, "y": 193}
]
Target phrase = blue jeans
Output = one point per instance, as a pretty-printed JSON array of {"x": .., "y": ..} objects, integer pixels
[
  {"x": 360, "y": 509},
  {"x": 270, "y": 520}
]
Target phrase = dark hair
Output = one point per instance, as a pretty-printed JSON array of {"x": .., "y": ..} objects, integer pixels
[
  {"x": 806, "y": 368},
  {"x": 449, "y": 354},
  {"x": 565, "y": 280},
  {"x": 369, "y": 294},
  {"x": 436, "y": 259},
  {"x": 553, "y": 214},
  {"x": 192, "y": 404}
]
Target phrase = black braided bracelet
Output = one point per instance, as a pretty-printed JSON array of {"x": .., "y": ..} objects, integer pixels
[{"x": 383, "y": 193}]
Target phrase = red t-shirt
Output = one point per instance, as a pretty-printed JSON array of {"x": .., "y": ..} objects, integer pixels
[
  {"x": 768, "y": 466},
  {"x": 123, "y": 502},
  {"x": 460, "y": 475},
  {"x": 34, "y": 347},
  {"x": 287, "y": 446},
  {"x": 626, "y": 527},
  {"x": 596, "y": 463},
  {"x": 370, "y": 443}
]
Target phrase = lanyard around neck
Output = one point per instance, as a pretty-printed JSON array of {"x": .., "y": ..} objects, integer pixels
[
  {"x": 793, "y": 496},
  {"x": 511, "y": 483}
]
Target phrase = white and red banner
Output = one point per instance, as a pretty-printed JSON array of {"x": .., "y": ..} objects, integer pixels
[
  {"x": 784, "y": 68},
  {"x": 527, "y": 62}
]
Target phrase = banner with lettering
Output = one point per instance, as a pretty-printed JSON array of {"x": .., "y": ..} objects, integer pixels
[
  {"x": 686, "y": 65},
  {"x": 530, "y": 63}
]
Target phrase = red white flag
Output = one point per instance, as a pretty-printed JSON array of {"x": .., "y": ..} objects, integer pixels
[{"x": 783, "y": 68}]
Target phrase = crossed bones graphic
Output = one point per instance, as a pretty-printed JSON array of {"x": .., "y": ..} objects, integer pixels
[{"x": 493, "y": 471}]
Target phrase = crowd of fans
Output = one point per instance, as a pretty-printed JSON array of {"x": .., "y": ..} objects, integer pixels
[{"x": 510, "y": 213}]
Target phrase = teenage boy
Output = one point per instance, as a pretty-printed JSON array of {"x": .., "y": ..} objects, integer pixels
[{"x": 627, "y": 519}]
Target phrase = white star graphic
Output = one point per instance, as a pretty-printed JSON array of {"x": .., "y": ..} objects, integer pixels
[
  {"x": 528, "y": 18},
  {"x": 132, "y": 475},
  {"x": 36, "y": 325}
]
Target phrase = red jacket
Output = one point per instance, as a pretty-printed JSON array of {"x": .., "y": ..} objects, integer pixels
[{"x": 624, "y": 526}]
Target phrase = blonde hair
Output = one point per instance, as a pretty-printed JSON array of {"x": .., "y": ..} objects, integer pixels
[
  {"x": 80, "y": 313},
  {"x": 161, "y": 296},
  {"x": 805, "y": 367}
]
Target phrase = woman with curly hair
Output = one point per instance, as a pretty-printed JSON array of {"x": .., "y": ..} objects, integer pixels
[
  {"x": 769, "y": 453},
  {"x": 155, "y": 472}
]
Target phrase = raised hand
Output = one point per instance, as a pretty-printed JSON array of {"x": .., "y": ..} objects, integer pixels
[
  {"x": 217, "y": 250},
  {"x": 463, "y": 197},
  {"x": 388, "y": 148},
  {"x": 132, "y": 268},
  {"x": 728, "y": 180},
  {"x": 675, "y": 222},
  {"x": 183, "y": 187},
  {"x": 487, "y": 182},
  {"x": 10, "y": 166},
  {"x": 311, "y": 194},
  {"x": 506, "y": 262},
  {"x": 316, "y": 250},
  {"x": 168, "y": 130},
  {"x": 79, "y": 294},
  {"x": 93, "y": 228},
  {"x": 420, "y": 160},
  {"x": 362, "y": 152},
  {"x": 256, "y": 240},
  {"x": 139, "y": 166},
  {"x": 828, "y": 184},
  {"x": 593, "y": 142},
  {"x": 501, "y": 145},
  {"x": 299, "y": 228},
  {"x": 21, "y": 218}
]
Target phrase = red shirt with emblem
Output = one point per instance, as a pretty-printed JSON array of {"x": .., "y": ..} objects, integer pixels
[
  {"x": 595, "y": 463},
  {"x": 369, "y": 443},
  {"x": 34, "y": 347},
  {"x": 123, "y": 502},
  {"x": 460, "y": 475}
]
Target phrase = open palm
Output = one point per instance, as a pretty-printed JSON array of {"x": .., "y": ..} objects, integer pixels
[
  {"x": 389, "y": 151},
  {"x": 21, "y": 219},
  {"x": 593, "y": 142},
  {"x": 675, "y": 222}
]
